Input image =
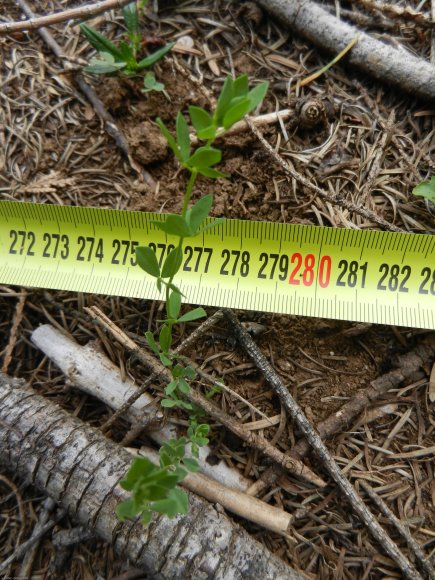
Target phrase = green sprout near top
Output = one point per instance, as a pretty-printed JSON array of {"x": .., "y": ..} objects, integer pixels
[{"x": 123, "y": 57}]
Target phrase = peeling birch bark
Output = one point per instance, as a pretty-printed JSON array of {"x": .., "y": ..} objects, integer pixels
[
  {"x": 92, "y": 372},
  {"x": 387, "y": 63},
  {"x": 80, "y": 469}
]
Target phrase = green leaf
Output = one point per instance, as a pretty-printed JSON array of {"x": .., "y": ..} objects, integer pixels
[
  {"x": 128, "y": 55},
  {"x": 172, "y": 263},
  {"x": 178, "y": 371},
  {"x": 146, "y": 517},
  {"x": 165, "y": 337},
  {"x": 168, "y": 403},
  {"x": 155, "y": 56},
  {"x": 140, "y": 468},
  {"x": 240, "y": 86},
  {"x": 199, "y": 211},
  {"x": 189, "y": 372},
  {"x": 131, "y": 18},
  {"x": 175, "y": 289},
  {"x": 203, "y": 430},
  {"x": 202, "y": 122},
  {"x": 207, "y": 133},
  {"x": 100, "y": 42},
  {"x": 191, "y": 464},
  {"x": 205, "y": 157},
  {"x": 183, "y": 386},
  {"x": 169, "y": 138},
  {"x": 171, "y": 387},
  {"x": 176, "y": 503},
  {"x": 183, "y": 137},
  {"x": 212, "y": 173},
  {"x": 104, "y": 65},
  {"x": 147, "y": 260},
  {"x": 126, "y": 510},
  {"x": 165, "y": 360},
  {"x": 173, "y": 305},
  {"x": 224, "y": 99},
  {"x": 213, "y": 224},
  {"x": 426, "y": 189},
  {"x": 185, "y": 405},
  {"x": 165, "y": 460},
  {"x": 235, "y": 113},
  {"x": 151, "y": 342},
  {"x": 257, "y": 94},
  {"x": 174, "y": 225},
  {"x": 150, "y": 83},
  {"x": 193, "y": 315}
]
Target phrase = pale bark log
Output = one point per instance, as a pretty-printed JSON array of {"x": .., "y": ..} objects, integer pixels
[
  {"x": 80, "y": 470},
  {"x": 92, "y": 372},
  {"x": 388, "y": 63}
]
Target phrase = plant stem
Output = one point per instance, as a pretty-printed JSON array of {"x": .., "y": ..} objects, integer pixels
[
  {"x": 189, "y": 189},
  {"x": 187, "y": 196}
]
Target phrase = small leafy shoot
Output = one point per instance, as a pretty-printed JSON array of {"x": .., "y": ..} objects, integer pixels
[{"x": 153, "y": 487}]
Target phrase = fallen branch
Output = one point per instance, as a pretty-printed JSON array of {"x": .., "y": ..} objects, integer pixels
[
  {"x": 383, "y": 61},
  {"x": 79, "y": 13},
  {"x": 290, "y": 464},
  {"x": 320, "y": 448},
  {"x": 88, "y": 91},
  {"x": 80, "y": 469}
]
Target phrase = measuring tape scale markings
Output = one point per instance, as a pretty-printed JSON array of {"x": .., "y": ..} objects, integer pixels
[{"x": 345, "y": 274}]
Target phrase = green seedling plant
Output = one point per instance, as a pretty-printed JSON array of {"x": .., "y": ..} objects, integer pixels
[
  {"x": 123, "y": 57},
  {"x": 154, "y": 487}
]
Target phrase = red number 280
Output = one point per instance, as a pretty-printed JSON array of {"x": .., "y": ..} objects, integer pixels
[{"x": 308, "y": 272}]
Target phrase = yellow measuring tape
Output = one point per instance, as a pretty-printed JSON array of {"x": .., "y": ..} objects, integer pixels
[{"x": 357, "y": 275}]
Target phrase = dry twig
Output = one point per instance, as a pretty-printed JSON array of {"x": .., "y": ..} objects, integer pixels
[
  {"x": 79, "y": 13},
  {"x": 14, "y": 329}
]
